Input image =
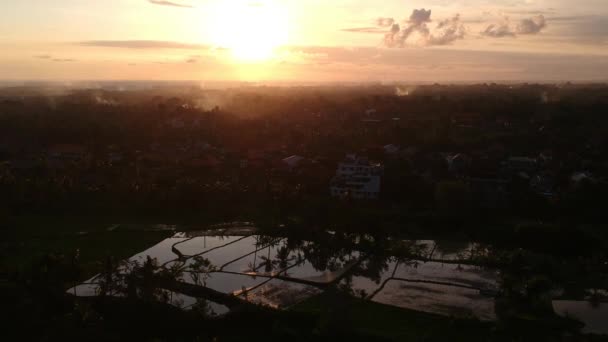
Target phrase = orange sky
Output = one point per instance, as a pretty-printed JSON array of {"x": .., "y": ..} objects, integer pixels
[{"x": 312, "y": 40}]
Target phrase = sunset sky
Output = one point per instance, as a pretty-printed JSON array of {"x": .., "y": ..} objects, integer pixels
[{"x": 304, "y": 40}]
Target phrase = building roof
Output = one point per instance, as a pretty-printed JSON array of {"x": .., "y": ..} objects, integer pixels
[
  {"x": 581, "y": 176},
  {"x": 293, "y": 161}
]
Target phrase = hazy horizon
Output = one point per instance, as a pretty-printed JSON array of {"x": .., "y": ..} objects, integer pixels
[{"x": 277, "y": 83}]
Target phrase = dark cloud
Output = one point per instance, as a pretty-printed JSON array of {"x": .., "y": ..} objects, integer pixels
[
  {"x": 141, "y": 44},
  {"x": 417, "y": 29},
  {"x": 525, "y": 26},
  {"x": 43, "y": 56},
  {"x": 500, "y": 30},
  {"x": 446, "y": 31},
  {"x": 169, "y": 3},
  {"x": 420, "y": 16},
  {"x": 532, "y": 25},
  {"x": 393, "y": 38}
]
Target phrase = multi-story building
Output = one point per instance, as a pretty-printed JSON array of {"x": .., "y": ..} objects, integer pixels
[{"x": 356, "y": 178}]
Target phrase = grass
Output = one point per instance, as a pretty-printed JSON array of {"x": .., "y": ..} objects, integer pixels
[
  {"x": 339, "y": 313},
  {"x": 28, "y": 239},
  {"x": 385, "y": 322}
]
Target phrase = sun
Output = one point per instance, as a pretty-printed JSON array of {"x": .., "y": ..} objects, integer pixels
[{"x": 251, "y": 30}]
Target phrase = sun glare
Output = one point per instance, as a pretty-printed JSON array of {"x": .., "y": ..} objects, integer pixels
[{"x": 251, "y": 30}]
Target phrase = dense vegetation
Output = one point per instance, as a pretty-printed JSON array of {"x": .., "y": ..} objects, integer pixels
[{"x": 74, "y": 162}]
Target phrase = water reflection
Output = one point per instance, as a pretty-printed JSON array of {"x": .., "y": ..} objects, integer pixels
[
  {"x": 593, "y": 316},
  {"x": 448, "y": 289},
  {"x": 280, "y": 272}
]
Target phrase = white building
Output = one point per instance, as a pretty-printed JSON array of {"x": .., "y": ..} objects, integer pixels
[{"x": 356, "y": 178}]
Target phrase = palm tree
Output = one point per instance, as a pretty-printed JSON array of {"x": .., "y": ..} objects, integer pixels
[{"x": 200, "y": 269}]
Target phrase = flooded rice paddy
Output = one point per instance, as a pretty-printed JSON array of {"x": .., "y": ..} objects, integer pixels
[
  {"x": 595, "y": 317},
  {"x": 280, "y": 272},
  {"x": 271, "y": 271}
]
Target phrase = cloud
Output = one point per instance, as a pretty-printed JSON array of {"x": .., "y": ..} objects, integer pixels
[
  {"x": 52, "y": 59},
  {"x": 532, "y": 25},
  {"x": 446, "y": 32},
  {"x": 169, "y": 3},
  {"x": 525, "y": 26},
  {"x": 141, "y": 44},
  {"x": 393, "y": 38},
  {"x": 381, "y": 24},
  {"x": 532, "y": 12},
  {"x": 385, "y": 22},
  {"x": 570, "y": 18},
  {"x": 420, "y": 16},
  {"x": 499, "y": 30},
  {"x": 417, "y": 29},
  {"x": 364, "y": 30}
]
